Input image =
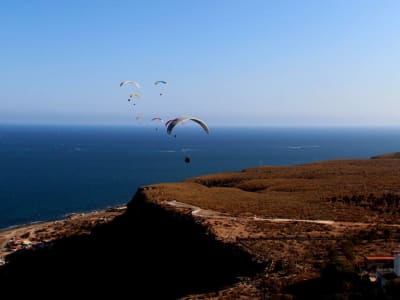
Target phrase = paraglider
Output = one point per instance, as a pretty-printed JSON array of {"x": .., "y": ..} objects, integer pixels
[
  {"x": 158, "y": 82},
  {"x": 187, "y": 159},
  {"x": 169, "y": 121},
  {"x": 136, "y": 95},
  {"x": 180, "y": 120},
  {"x": 134, "y": 83},
  {"x": 157, "y": 119}
]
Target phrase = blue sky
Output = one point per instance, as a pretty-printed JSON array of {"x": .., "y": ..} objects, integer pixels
[{"x": 256, "y": 62}]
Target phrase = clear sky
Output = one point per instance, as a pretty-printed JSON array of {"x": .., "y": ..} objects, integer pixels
[{"x": 228, "y": 62}]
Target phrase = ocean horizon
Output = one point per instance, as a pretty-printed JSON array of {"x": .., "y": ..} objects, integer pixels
[{"x": 48, "y": 171}]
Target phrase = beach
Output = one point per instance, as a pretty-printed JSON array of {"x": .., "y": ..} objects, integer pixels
[{"x": 37, "y": 235}]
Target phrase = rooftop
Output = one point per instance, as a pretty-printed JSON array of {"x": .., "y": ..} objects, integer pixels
[{"x": 379, "y": 258}]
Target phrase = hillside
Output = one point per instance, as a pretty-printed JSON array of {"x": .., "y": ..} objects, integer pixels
[{"x": 296, "y": 231}]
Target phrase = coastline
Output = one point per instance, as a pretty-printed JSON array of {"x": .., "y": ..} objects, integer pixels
[
  {"x": 17, "y": 237},
  {"x": 329, "y": 210},
  {"x": 46, "y": 196},
  {"x": 30, "y": 235}
]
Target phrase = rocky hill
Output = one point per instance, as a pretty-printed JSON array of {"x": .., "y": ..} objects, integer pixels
[{"x": 283, "y": 232}]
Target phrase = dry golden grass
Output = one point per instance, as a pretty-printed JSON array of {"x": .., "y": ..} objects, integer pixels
[
  {"x": 298, "y": 191},
  {"x": 293, "y": 250},
  {"x": 297, "y": 250}
]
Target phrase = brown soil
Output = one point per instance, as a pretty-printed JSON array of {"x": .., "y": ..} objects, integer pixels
[
  {"x": 47, "y": 232},
  {"x": 284, "y": 216}
]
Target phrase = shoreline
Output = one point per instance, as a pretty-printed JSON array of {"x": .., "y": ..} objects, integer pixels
[
  {"x": 62, "y": 217},
  {"x": 25, "y": 236},
  {"x": 292, "y": 220}
]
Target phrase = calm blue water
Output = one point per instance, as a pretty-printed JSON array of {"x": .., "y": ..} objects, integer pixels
[{"x": 47, "y": 172}]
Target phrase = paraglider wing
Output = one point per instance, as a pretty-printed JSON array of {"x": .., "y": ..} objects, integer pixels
[
  {"x": 202, "y": 124},
  {"x": 177, "y": 121},
  {"x": 168, "y": 122},
  {"x": 158, "y": 82},
  {"x": 136, "y": 95},
  {"x": 156, "y": 118},
  {"x": 125, "y": 82}
]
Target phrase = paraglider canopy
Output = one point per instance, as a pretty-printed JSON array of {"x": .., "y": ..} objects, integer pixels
[
  {"x": 158, "y": 82},
  {"x": 168, "y": 122},
  {"x": 158, "y": 119},
  {"x": 136, "y": 95},
  {"x": 125, "y": 82},
  {"x": 174, "y": 122}
]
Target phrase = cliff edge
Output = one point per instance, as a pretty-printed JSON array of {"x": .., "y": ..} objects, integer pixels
[{"x": 288, "y": 232}]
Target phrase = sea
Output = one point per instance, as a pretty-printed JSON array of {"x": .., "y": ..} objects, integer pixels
[{"x": 48, "y": 172}]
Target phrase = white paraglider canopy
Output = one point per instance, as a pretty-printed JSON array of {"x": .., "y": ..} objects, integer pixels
[{"x": 172, "y": 123}]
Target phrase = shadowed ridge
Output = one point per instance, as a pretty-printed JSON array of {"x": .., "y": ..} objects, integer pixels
[
  {"x": 148, "y": 251},
  {"x": 393, "y": 155}
]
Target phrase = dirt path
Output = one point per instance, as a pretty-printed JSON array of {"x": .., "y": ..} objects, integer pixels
[{"x": 199, "y": 212}]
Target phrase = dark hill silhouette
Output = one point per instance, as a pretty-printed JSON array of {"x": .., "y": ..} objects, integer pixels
[
  {"x": 147, "y": 251},
  {"x": 393, "y": 155},
  {"x": 157, "y": 250}
]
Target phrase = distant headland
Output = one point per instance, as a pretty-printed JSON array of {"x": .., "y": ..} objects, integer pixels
[{"x": 387, "y": 155}]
